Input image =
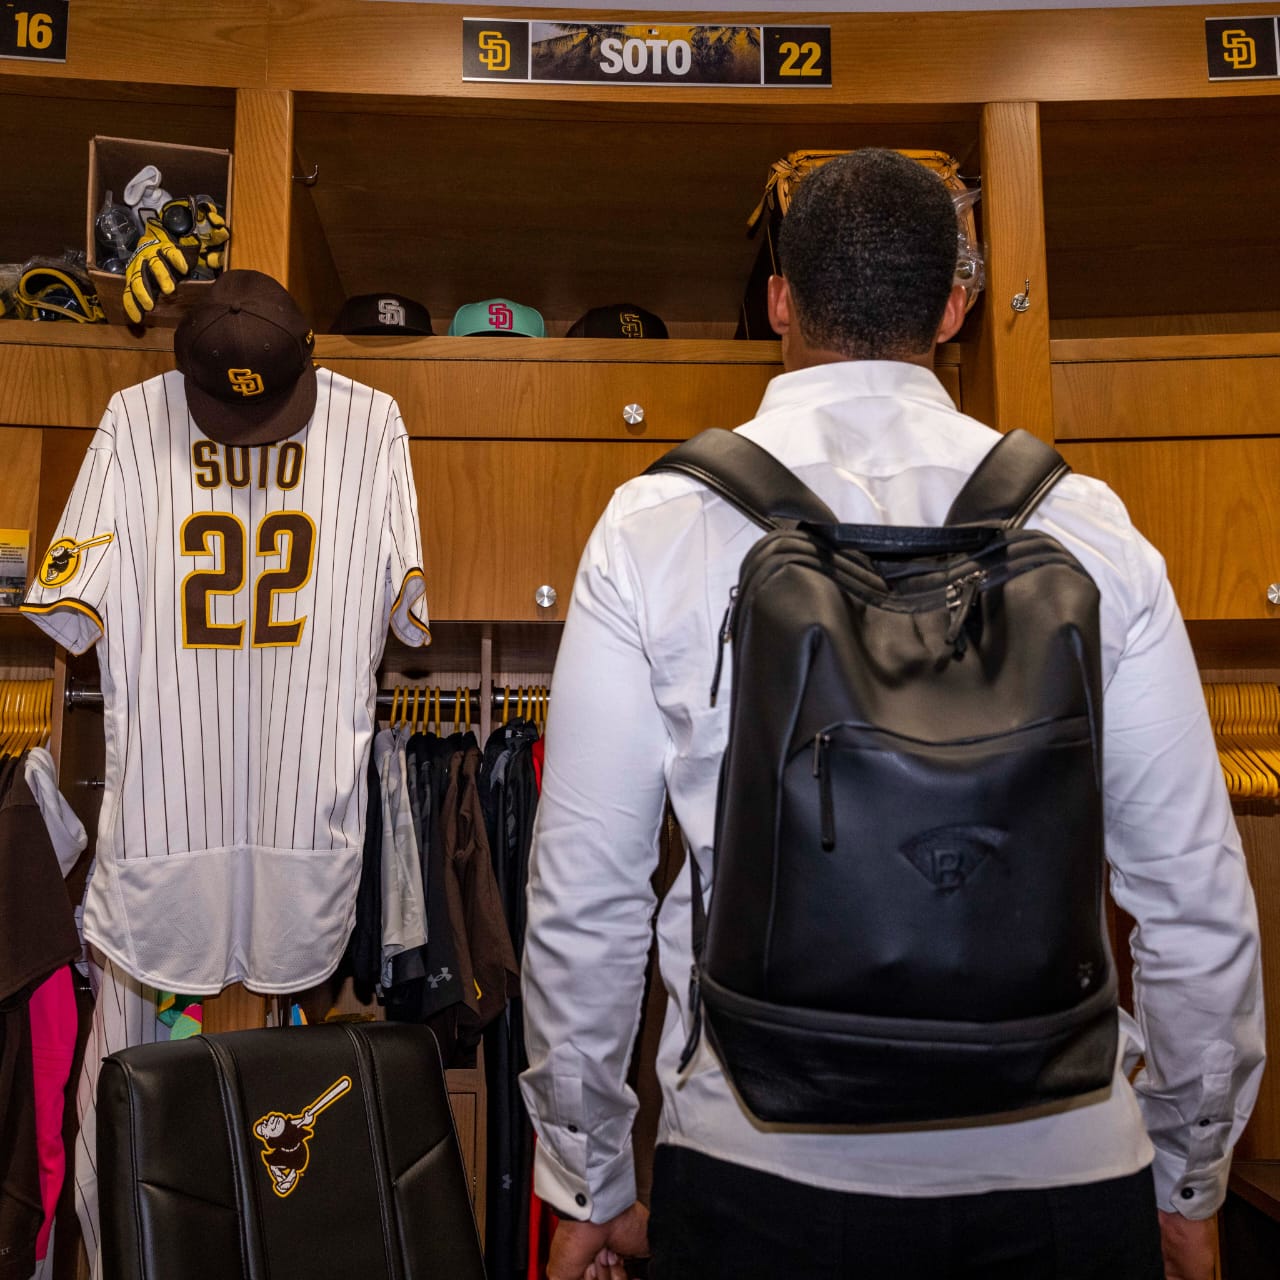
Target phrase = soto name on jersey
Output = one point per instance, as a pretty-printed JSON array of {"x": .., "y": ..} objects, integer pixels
[{"x": 213, "y": 464}]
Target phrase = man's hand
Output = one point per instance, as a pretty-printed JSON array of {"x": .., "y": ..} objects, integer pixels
[
  {"x": 1190, "y": 1248},
  {"x": 594, "y": 1250}
]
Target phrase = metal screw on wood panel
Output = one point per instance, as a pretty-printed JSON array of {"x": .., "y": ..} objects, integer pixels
[
  {"x": 545, "y": 597},
  {"x": 1273, "y": 593},
  {"x": 1022, "y": 301},
  {"x": 633, "y": 414}
]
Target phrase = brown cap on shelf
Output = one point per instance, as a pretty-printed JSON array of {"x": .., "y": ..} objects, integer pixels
[
  {"x": 621, "y": 320},
  {"x": 245, "y": 351}
]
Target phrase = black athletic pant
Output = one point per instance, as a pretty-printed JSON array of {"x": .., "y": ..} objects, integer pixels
[{"x": 712, "y": 1219}]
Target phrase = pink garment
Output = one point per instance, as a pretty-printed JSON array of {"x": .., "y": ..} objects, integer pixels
[{"x": 53, "y": 1046}]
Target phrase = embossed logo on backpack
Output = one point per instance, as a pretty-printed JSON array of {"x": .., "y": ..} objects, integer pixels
[{"x": 948, "y": 856}]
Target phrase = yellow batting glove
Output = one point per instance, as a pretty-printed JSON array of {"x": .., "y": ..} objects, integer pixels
[
  {"x": 213, "y": 233},
  {"x": 153, "y": 271},
  {"x": 196, "y": 224}
]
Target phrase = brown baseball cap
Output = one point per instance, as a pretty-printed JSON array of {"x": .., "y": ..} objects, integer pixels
[{"x": 245, "y": 351}]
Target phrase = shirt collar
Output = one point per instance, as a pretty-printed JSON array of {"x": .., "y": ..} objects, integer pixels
[{"x": 852, "y": 379}]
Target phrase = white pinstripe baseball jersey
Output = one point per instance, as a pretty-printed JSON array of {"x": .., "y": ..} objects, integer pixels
[{"x": 240, "y": 599}]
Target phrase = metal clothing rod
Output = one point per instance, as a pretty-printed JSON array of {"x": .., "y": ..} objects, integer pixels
[{"x": 88, "y": 698}]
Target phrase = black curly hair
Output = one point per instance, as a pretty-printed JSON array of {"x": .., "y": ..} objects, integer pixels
[{"x": 869, "y": 248}]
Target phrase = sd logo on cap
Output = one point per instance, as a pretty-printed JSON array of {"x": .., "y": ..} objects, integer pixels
[{"x": 497, "y": 317}]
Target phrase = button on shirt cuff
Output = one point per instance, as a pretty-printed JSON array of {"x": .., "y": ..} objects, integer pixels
[
  {"x": 1193, "y": 1192},
  {"x": 569, "y": 1195}
]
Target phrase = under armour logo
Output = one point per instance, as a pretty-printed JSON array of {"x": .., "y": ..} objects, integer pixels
[
  {"x": 506, "y": 1182},
  {"x": 948, "y": 856},
  {"x": 1084, "y": 973},
  {"x": 245, "y": 382},
  {"x": 390, "y": 311},
  {"x": 501, "y": 316},
  {"x": 435, "y": 979}
]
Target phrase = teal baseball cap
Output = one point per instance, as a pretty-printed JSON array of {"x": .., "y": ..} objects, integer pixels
[{"x": 497, "y": 317}]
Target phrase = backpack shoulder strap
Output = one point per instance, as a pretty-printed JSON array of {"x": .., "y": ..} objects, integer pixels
[
  {"x": 746, "y": 475},
  {"x": 1009, "y": 482}
]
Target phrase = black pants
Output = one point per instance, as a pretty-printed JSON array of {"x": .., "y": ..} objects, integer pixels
[{"x": 711, "y": 1219}]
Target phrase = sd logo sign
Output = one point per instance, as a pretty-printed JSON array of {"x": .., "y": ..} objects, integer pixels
[{"x": 494, "y": 50}]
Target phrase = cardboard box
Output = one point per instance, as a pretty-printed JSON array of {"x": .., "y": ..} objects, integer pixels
[{"x": 184, "y": 171}]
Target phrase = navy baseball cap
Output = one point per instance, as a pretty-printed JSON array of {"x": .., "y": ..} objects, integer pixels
[
  {"x": 621, "y": 320},
  {"x": 497, "y": 317}
]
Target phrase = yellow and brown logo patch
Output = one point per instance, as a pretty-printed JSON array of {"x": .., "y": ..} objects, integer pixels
[
  {"x": 286, "y": 1138},
  {"x": 245, "y": 382},
  {"x": 61, "y": 562}
]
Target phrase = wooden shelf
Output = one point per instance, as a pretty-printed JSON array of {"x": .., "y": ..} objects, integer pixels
[
  {"x": 1187, "y": 346},
  {"x": 1258, "y": 1182}
]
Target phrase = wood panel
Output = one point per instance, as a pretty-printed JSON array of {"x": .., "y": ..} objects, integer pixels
[
  {"x": 235, "y": 1008},
  {"x": 502, "y": 518},
  {"x": 264, "y": 181},
  {"x": 1206, "y": 505},
  {"x": 1263, "y": 325},
  {"x": 1260, "y": 832},
  {"x": 45, "y": 141},
  {"x": 109, "y": 39},
  {"x": 1008, "y": 384},
  {"x": 67, "y": 386},
  {"x": 62, "y": 453},
  {"x": 20, "y": 492},
  {"x": 459, "y": 398},
  {"x": 926, "y": 57},
  {"x": 1133, "y": 399},
  {"x": 1221, "y": 344},
  {"x": 562, "y": 214},
  {"x": 1127, "y": 238}
]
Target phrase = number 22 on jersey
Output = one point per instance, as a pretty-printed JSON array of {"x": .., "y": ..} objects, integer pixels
[{"x": 287, "y": 535}]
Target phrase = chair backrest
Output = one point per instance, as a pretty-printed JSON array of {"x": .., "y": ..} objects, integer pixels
[{"x": 317, "y": 1152}]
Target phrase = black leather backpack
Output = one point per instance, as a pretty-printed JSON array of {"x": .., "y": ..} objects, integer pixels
[{"x": 906, "y": 923}]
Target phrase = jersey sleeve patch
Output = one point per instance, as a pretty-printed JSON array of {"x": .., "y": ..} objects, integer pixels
[{"x": 65, "y": 558}]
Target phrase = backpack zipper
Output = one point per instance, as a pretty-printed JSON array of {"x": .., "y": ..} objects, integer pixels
[
  {"x": 959, "y": 599},
  {"x": 726, "y": 634},
  {"x": 826, "y": 808}
]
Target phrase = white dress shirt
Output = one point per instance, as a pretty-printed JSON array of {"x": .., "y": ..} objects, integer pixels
[{"x": 630, "y": 722}]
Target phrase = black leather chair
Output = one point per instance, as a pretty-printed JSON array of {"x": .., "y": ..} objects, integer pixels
[{"x": 307, "y": 1153}]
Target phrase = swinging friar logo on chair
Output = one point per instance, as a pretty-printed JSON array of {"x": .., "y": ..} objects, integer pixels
[{"x": 286, "y": 1138}]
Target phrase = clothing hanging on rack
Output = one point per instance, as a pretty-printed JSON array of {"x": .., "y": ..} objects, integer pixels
[
  {"x": 509, "y": 798},
  {"x": 427, "y": 862},
  {"x": 38, "y": 940}
]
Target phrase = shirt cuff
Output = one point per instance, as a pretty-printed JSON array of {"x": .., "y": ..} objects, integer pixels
[
  {"x": 1194, "y": 1192},
  {"x": 570, "y": 1196}
]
